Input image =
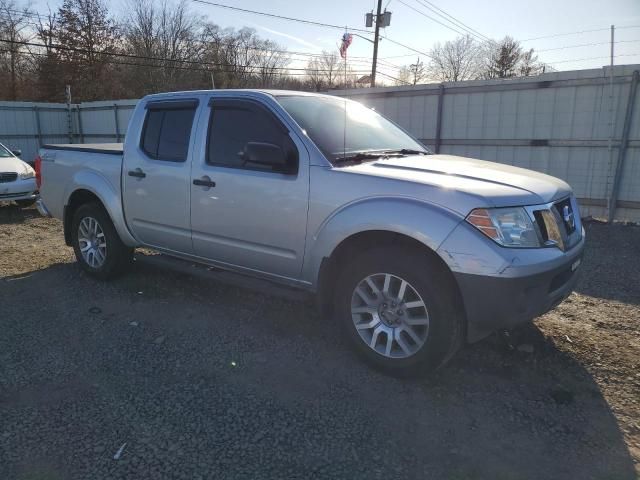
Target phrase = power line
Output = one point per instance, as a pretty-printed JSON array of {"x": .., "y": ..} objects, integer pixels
[
  {"x": 565, "y": 34},
  {"x": 595, "y": 58},
  {"x": 394, "y": 78},
  {"x": 459, "y": 23},
  {"x": 254, "y": 47},
  {"x": 307, "y": 54},
  {"x": 466, "y": 30},
  {"x": 290, "y": 52},
  {"x": 144, "y": 57},
  {"x": 150, "y": 65},
  {"x": 431, "y": 18},
  {"x": 398, "y": 56},
  {"x": 404, "y": 46},
  {"x": 281, "y": 17},
  {"x": 585, "y": 45}
]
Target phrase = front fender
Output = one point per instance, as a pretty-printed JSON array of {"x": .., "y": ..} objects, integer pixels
[
  {"x": 108, "y": 194},
  {"x": 427, "y": 223}
]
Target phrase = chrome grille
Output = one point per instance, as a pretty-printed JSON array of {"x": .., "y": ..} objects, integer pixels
[
  {"x": 6, "y": 177},
  {"x": 559, "y": 223}
]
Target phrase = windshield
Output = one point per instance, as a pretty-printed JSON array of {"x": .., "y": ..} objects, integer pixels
[
  {"x": 341, "y": 128},
  {"x": 4, "y": 152}
]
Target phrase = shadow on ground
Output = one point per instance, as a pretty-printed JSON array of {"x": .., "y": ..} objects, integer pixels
[
  {"x": 10, "y": 213},
  {"x": 202, "y": 380}
]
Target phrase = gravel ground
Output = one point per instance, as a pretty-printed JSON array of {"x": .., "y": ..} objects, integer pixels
[{"x": 198, "y": 379}]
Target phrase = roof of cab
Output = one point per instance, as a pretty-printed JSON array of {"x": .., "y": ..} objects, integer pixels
[{"x": 273, "y": 93}]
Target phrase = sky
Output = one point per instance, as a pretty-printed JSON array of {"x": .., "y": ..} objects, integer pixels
[{"x": 523, "y": 20}]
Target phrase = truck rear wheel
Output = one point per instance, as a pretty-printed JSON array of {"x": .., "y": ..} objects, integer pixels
[
  {"x": 96, "y": 244},
  {"x": 398, "y": 309}
]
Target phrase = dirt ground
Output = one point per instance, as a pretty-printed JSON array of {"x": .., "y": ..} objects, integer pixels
[{"x": 189, "y": 378}]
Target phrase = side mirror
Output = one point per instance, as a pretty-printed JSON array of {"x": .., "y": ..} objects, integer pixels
[
  {"x": 17, "y": 152},
  {"x": 266, "y": 154}
]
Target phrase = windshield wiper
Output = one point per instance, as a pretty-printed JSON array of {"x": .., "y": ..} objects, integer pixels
[
  {"x": 407, "y": 151},
  {"x": 360, "y": 156},
  {"x": 375, "y": 154}
]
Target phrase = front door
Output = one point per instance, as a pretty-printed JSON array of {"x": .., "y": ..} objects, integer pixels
[
  {"x": 246, "y": 214},
  {"x": 157, "y": 176}
]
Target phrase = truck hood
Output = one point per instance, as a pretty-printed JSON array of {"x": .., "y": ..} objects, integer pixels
[{"x": 494, "y": 184}]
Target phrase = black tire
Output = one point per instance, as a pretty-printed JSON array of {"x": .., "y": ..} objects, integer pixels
[
  {"x": 118, "y": 255},
  {"x": 25, "y": 203},
  {"x": 434, "y": 285}
]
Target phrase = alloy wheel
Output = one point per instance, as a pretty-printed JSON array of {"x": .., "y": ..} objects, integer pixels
[
  {"x": 92, "y": 242},
  {"x": 390, "y": 315}
]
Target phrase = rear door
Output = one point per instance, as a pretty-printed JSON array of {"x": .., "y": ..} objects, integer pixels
[
  {"x": 248, "y": 215},
  {"x": 156, "y": 178}
]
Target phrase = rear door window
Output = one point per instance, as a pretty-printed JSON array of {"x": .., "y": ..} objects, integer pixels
[{"x": 167, "y": 132}]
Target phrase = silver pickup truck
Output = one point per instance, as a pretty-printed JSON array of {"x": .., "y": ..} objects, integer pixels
[{"x": 412, "y": 253}]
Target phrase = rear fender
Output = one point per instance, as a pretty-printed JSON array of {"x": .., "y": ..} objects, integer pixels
[
  {"x": 109, "y": 196},
  {"x": 427, "y": 223}
]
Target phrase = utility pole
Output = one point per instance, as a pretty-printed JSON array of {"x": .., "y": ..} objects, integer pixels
[
  {"x": 375, "y": 44},
  {"x": 67, "y": 95},
  {"x": 611, "y": 118},
  {"x": 612, "y": 129}
]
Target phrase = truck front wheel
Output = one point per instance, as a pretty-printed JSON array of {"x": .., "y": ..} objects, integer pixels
[
  {"x": 96, "y": 244},
  {"x": 398, "y": 309}
]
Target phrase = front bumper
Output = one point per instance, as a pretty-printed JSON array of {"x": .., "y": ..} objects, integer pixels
[
  {"x": 503, "y": 287},
  {"x": 18, "y": 190}
]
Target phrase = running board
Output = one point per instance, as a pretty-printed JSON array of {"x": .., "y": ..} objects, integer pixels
[{"x": 225, "y": 277}]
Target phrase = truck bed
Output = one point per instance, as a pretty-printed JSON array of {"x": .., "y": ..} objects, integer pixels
[{"x": 106, "y": 148}]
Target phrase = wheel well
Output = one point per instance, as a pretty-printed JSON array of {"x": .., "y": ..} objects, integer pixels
[
  {"x": 363, "y": 241},
  {"x": 77, "y": 199}
]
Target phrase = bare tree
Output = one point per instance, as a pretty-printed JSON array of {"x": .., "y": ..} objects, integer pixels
[
  {"x": 329, "y": 65},
  {"x": 159, "y": 46},
  {"x": 327, "y": 71},
  {"x": 403, "y": 77},
  {"x": 454, "y": 60},
  {"x": 314, "y": 75},
  {"x": 346, "y": 78},
  {"x": 14, "y": 21},
  {"x": 167, "y": 37},
  {"x": 271, "y": 62},
  {"x": 417, "y": 71}
]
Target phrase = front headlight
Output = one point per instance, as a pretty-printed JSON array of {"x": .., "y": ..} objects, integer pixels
[
  {"x": 510, "y": 227},
  {"x": 27, "y": 173}
]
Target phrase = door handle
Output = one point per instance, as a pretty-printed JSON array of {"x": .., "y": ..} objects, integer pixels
[
  {"x": 204, "y": 182},
  {"x": 137, "y": 173}
]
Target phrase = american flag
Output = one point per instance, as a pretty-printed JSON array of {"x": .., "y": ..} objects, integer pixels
[{"x": 347, "y": 38}]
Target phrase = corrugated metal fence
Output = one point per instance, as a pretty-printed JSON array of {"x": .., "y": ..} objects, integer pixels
[
  {"x": 28, "y": 126},
  {"x": 576, "y": 125}
]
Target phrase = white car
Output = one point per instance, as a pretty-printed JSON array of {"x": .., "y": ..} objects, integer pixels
[{"x": 17, "y": 179}]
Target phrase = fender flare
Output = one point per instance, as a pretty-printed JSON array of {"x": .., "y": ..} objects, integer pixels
[
  {"x": 428, "y": 223},
  {"x": 108, "y": 195}
]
